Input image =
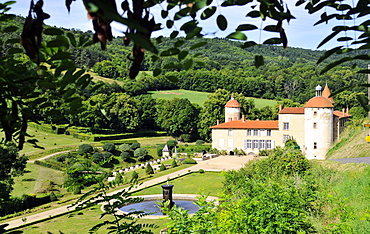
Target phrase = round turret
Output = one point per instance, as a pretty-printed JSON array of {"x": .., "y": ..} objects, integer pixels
[
  {"x": 318, "y": 116},
  {"x": 232, "y": 110}
]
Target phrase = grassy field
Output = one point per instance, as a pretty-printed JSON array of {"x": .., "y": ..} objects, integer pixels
[
  {"x": 195, "y": 183},
  {"x": 36, "y": 179},
  {"x": 201, "y": 97},
  {"x": 72, "y": 224},
  {"x": 351, "y": 144}
]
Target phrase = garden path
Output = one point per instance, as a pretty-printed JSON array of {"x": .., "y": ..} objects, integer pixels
[{"x": 215, "y": 164}]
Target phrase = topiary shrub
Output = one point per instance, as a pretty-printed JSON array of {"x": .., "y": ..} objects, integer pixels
[
  {"x": 140, "y": 153},
  {"x": 201, "y": 171},
  {"x": 53, "y": 197},
  {"x": 125, "y": 156},
  {"x": 118, "y": 179},
  {"x": 97, "y": 157},
  {"x": 174, "y": 163},
  {"x": 107, "y": 155},
  {"x": 163, "y": 167},
  {"x": 135, "y": 146},
  {"x": 124, "y": 147},
  {"x": 109, "y": 147},
  {"x": 85, "y": 148},
  {"x": 149, "y": 169},
  {"x": 171, "y": 143},
  {"x": 134, "y": 176},
  {"x": 60, "y": 158},
  {"x": 199, "y": 142},
  {"x": 189, "y": 161}
]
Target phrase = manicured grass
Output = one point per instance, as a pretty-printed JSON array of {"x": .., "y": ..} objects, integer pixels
[
  {"x": 201, "y": 97},
  {"x": 50, "y": 141},
  {"x": 195, "y": 183},
  {"x": 40, "y": 177},
  {"x": 81, "y": 222}
]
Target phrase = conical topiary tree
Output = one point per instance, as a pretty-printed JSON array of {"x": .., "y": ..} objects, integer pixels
[
  {"x": 163, "y": 167},
  {"x": 174, "y": 163},
  {"x": 149, "y": 169}
]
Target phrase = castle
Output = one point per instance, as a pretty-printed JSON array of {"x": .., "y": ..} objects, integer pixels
[{"x": 315, "y": 127}]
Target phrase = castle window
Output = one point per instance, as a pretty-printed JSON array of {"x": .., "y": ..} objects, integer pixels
[
  {"x": 286, "y": 126},
  {"x": 221, "y": 143},
  {"x": 262, "y": 132},
  {"x": 255, "y": 132},
  {"x": 268, "y": 144},
  {"x": 285, "y": 138},
  {"x": 315, "y": 145},
  {"x": 230, "y": 143},
  {"x": 248, "y": 144},
  {"x": 314, "y": 125},
  {"x": 255, "y": 144},
  {"x": 315, "y": 114},
  {"x": 230, "y": 132},
  {"x": 268, "y": 132},
  {"x": 249, "y": 132},
  {"x": 262, "y": 144}
]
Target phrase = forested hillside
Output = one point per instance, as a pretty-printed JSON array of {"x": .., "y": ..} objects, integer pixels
[{"x": 221, "y": 67}]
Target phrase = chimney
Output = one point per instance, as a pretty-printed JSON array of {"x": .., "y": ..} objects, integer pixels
[
  {"x": 280, "y": 107},
  {"x": 235, "y": 118},
  {"x": 258, "y": 119},
  {"x": 218, "y": 122},
  {"x": 230, "y": 119},
  {"x": 343, "y": 112},
  {"x": 347, "y": 110},
  {"x": 243, "y": 118}
]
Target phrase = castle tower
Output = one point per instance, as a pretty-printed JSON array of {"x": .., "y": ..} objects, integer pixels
[
  {"x": 232, "y": 110},
  {"x": 318, "y": 117}
]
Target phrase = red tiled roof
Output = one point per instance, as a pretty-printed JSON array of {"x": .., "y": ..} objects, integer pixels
[
  {"x": 326, "y": 94},
  {"x": 340, "y": 114},
  {"x": 292, "y": 110},
  {"x": 318, "y": 102},
  {"x": 252, "y": 124},
  {"x": 232, "y": 103}
]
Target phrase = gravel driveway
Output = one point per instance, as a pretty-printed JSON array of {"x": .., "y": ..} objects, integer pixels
[{"x": 353, "y": 160}]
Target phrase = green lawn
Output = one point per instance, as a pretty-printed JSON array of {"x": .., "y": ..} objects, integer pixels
[
  {"x": 51, "y": 142},
  {"x": 36, "y": 179},
  {"x": 195, "y": 183},
  {"x": 193, "y": 96},
  {"x": 201, "y": 97},
  {"x": 80, "y": 222}
]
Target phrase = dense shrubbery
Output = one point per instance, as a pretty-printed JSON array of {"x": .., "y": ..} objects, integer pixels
[{"x": 189, "y": 161}]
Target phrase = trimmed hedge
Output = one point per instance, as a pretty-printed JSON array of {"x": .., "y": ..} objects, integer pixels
[
  {"x": 97, "y": 137},
  {"x": 51, "y": 128}
]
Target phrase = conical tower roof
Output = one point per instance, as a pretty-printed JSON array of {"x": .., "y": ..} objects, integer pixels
[{"x": 326, "y": 93}]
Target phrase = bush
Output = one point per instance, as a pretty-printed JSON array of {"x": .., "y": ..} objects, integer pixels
[
  {"x": 201, "y": 171},
  {"x": 185, "y": 137},
  {"x": 53, "y": 197},
  {"x": 140, "y": 153},
  {"x": 174, "y": 163},
  {"x": 163, "y": 167},
  {"x": 125, "y": 156},
  {"x": 107, "y": 155},
  {"x": 60, "y": 158},
  {"x": 171, "y": 144},
  {"x": 85, "y": 148},
  {"x": 159, "y": 150},
  {"x": 109, "y": 147},
  {"x": 199, "y": 142},
  {"x": 119, "y": 178},
  {"x": 135, "y": 146},
  {"x": 124, "y": 147},
  {"x": 97, "y": 157},
  {"x": 134, "y": 176},
  {"x": 189, "y": 161},
  {"x": 149, "y": 169}
]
